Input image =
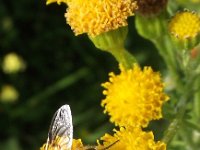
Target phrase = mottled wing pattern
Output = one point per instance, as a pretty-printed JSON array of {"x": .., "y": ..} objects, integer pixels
[{"x": 61, "y": 126}]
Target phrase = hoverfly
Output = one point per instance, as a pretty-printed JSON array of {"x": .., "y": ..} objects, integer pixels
[{"x": 60, "y": 135}]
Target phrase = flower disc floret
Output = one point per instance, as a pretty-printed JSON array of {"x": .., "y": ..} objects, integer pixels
[
  {"x": 131, "y": 139},
  {"x": 134, "y": 97},
  {"x": 98, "y": 16},
  {"x": 185, "y": 25}
]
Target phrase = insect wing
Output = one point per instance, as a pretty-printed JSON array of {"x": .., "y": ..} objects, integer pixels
[{"x": 61, "y": 126}]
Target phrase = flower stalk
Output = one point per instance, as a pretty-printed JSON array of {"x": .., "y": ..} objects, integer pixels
[
  {"x": 123, "y": 57},
  {"x": 113, "y": 43}
]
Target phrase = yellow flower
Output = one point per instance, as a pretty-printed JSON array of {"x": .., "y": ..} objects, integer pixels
[
  {"x": 13, "y": 63},
  {"x": 134, "y": 97},
  {"x": 97, "y": 16},
  {"x": 8, "y": 94},
  {"x": 185, "y": 25},
  {"x": 131, "y": 139},
  {"x": 60, "y": 143}
]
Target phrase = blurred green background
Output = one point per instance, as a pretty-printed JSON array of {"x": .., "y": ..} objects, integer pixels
[{"x": 60, "y": 69}]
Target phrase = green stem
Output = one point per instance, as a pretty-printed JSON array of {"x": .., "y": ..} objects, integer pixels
[
  {"x": 58, "y": 86},
  {"x": 123, "y": 57},
  {"x": 196, "y": 105},
  {"x": 181, "y": 109},
  {"x": 61, "y": 84},
  {"x": 168, "y": 54},
  {"x": 174, "y": 126}
]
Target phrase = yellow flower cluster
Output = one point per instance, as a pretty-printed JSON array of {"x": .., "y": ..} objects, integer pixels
[
  {"x": 134, "y": 97},
  {"x": 185, "y": 25},
  {"x": 97, "y": 16},
  {"x": 131, "y": 139}
]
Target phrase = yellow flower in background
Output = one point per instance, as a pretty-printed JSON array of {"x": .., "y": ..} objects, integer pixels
[
  {"x": 98, "y": 16},
  {"x": 196, "y": 1},
  {"x": 185, "y": 25},
  {"x": 8, "y": 94},
  {"x": 13, "y": 63},
  {"x": 134, "y": 97},
  {"x": 131, "y": 139}
]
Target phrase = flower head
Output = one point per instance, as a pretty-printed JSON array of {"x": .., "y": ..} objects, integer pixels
[
  {"x": 131, "y": 139},
  {"x": 185, "y": 25},
  {"x": 134, "y": 97},
  {"x": 13, "y": 63},
  {"x": 97, "y": 16},
  {"x": 8, "y": 93}
]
